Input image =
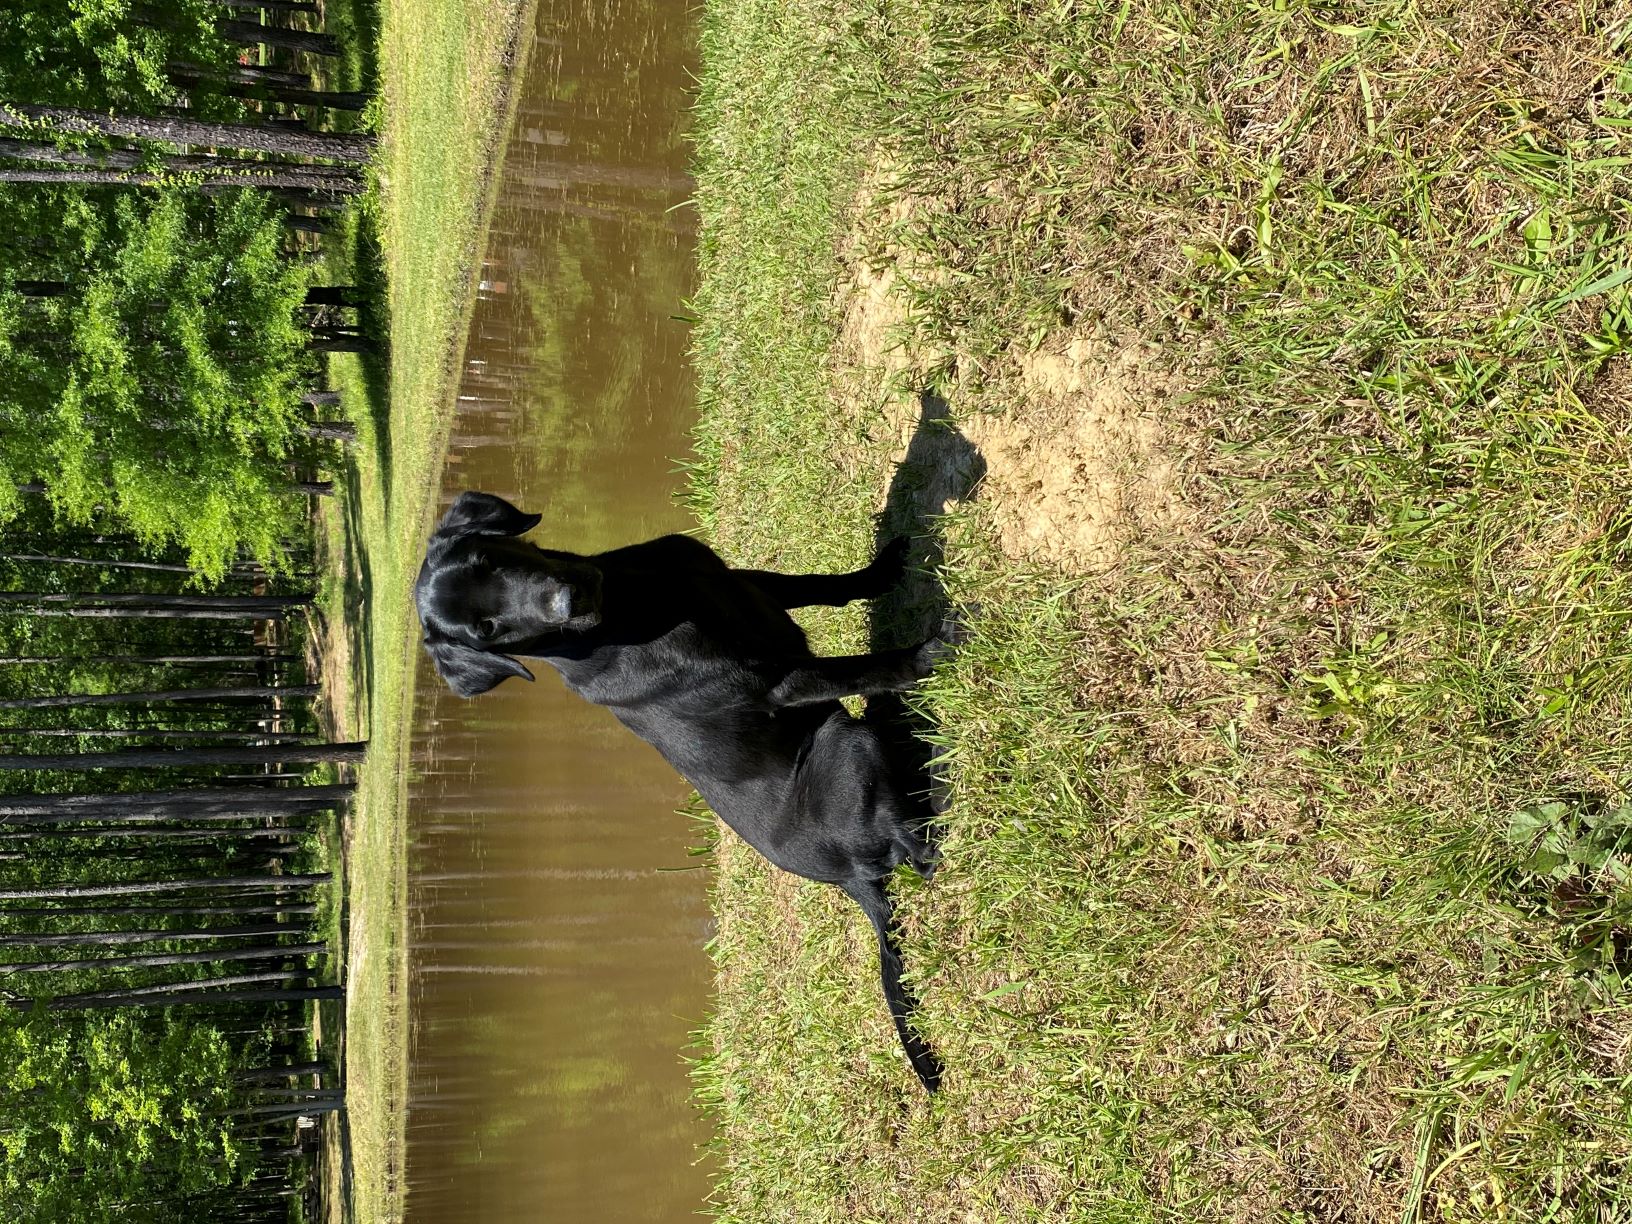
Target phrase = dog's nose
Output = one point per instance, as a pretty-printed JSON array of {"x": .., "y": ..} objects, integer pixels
[{"x": 561, "y": 603}]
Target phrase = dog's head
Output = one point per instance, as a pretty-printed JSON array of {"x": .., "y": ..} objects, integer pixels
[{"x": 483, "y": 592}]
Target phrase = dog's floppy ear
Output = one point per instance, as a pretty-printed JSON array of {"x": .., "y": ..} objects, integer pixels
[
  {"x": 485, "y": 514},
  {"x": 469, "y": 671}
]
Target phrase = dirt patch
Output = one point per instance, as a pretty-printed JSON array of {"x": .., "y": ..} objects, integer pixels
[
  {"x": 1076, "y": 461},
  {"x": 875, "y": 322},
  {"x": 1082, "y": 461},
  {"x": 1077, "y": 458}
]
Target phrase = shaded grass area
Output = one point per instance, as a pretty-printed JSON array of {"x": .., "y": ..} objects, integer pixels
[
  {"x": 443, "y": 68},
  {"x": 1287, "y": 870}
]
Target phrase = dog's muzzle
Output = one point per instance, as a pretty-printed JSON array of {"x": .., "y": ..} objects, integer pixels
[{"x": 560, "y": 604}]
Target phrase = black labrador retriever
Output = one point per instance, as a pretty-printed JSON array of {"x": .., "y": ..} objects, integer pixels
[{"x": 704, "y": 663}]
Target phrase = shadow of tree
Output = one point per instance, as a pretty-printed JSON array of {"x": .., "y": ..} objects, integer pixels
[
  {"x": 374, "y": 320},
  {"x": 941, "y": 466}
]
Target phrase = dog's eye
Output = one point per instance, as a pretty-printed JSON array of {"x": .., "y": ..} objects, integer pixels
[{"x": 487, "y": 627}]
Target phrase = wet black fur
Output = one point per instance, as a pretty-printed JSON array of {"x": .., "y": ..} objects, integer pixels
[{"x": 704, "y": 663}]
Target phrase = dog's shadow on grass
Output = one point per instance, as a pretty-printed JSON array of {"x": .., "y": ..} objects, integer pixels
[{"x": 941, "y": 467}]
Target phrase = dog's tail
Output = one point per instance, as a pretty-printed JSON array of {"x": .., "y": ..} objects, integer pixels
[{"x": 870, "y": 895}]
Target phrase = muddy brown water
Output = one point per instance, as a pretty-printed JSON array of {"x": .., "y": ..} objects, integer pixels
[{"x": 556, "y": 922}]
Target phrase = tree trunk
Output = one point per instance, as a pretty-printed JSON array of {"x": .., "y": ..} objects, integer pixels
[
  {"x": 334, "y": 146},
  {"x": 229, "y": 997},
  {"x": 177, "y": 803},
  {"x": 251, "y": 32},
  {"x": 96, "y": 561},
  {"x": 187, "y": 758},
  {"x": 154, "y": 599},
  {"x": 160, "y": 989},
  {"x": 302, "y": 909},
  {"x": 333, "y": 184},
  {"x": 297, "y": 1094},
  {"x": 334, "y": 295},
  {"x": 165, "y": 960},
  {"x": 156, "y": 733},
  {"x": 284, "y": 95},
  {"x": 248, "y": 74},
  {"x": 213, "y": 167},
  {"x": 201, "y": 821},
  {"x": 330, "y": 1101},
  {"x": 205, "y": 837},
  {"x": 115, "y": 939},
  {"x": 258, "y": 1075},
  {"x": 137, "y": 888},
  {"x": 145, "y": 613},
  {"x": 101, "y": 604},
  {"x": 77, "y": 700},
  {"x": 335, "y": 431},
  {"x": 203, "y": 826},
  {"x": 272, "y": 6},
  {"x": 293, "y": 197},
  {"x": 161, "y": 660},
  {"x": 341, "y": 344},
  {"x": 307, "y": 225},
  {"x": 174, "y": 995}
]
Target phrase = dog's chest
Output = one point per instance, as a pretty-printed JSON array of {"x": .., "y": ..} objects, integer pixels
[{"x": 677, "y": 671}]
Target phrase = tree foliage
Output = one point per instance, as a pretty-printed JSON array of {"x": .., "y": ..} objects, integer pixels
[
  {"x": 105, "y": 53},
  {"x": 104, "y": 1114},
  {"x": 155, "y": 347},
  {"x": 163, "y": 390}
]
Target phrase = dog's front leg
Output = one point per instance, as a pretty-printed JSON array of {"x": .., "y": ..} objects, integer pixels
[
  {"x": 833, "y": 590},
  {"x": 810, "y": 681}
]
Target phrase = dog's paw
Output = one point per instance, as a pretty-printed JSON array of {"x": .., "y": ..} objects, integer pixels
[
  {"x": 925, "y": 858},
  {"x": 953, "y": 635},
  {"x": 932, "y": 652},
  {"x": 889, "y": 567},
  {"x": 955, "y": 627}
]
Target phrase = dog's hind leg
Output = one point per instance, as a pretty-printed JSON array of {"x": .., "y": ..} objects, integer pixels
[
  {"x": 915, "y": 847},
  {"x": 833, "y": 590}
]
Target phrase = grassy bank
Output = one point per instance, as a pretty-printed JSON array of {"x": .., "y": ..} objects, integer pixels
[
  {"x": 444, "y": 67},
  {"x": 1287, "y": 870}
]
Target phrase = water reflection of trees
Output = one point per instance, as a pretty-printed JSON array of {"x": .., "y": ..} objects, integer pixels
[{"x": 547, "y": 1004}]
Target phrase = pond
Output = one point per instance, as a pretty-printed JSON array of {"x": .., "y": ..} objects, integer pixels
[{"x": 556, "y": 921}]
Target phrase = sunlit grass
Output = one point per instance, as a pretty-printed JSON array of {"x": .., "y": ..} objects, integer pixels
[
  {"x": 1286, "y": 874},
  {"x": 444, "y": 67}
]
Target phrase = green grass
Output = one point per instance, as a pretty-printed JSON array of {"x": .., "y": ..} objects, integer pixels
[
  {"x": 444, "y": 70},
  {"x": 1286, "y": 875}
]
